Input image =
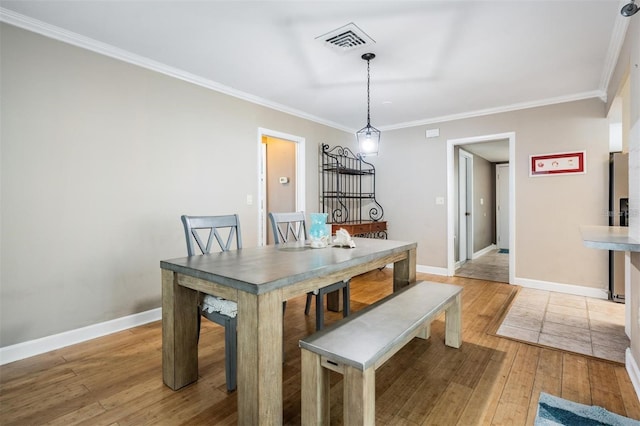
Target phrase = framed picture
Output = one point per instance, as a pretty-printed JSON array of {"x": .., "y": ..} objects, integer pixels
[{"x": 561, "y": 163}]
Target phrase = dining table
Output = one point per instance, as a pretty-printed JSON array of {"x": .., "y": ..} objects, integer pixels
[{"x": 259, "y": 279}]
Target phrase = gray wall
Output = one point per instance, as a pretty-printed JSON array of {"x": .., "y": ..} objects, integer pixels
[
  {"x": 549, "y": 210},
  {"x": 99, "y": 160}
]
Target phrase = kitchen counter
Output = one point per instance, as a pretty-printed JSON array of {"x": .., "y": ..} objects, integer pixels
[{"x": 609, "y": 238}]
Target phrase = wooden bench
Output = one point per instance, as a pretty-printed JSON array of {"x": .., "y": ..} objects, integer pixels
[{"x": 356, "y": 346}]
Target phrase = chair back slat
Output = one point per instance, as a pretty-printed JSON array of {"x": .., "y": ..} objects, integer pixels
[
  {"x": 193, "y": 224},
  {"x": 286, "y": 225}
]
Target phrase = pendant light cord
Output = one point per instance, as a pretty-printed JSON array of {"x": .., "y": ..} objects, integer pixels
[{"x": 368, "y": 96}]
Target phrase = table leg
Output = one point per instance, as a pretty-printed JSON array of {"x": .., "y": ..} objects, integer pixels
[
  {"x": 260, "y": 358},
  {"x": 404, "y": 271},
  {"x": 179, "y": 333}
]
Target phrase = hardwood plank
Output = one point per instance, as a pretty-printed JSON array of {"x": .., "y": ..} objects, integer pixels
[
  {"x": 455, "y": 395},
  {"x": 576, "y": 382},
  {"x": 513, "y": 405},
  {"x": 484, "y": 398},
  {"x": 117, "y": 379},
  {"x": 630, "y": 400},
  {"x": 605, "y": 390},
  {"x": 548, "y": 379},
  {"x": 44, "y": 408},
  {"x": 77, "y": 416},
  {"x": 400, "y": 388}
]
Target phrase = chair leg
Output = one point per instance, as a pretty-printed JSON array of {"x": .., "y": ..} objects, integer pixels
[
  {"x": 307, "y": 307},
  {"x": 231, "y": 353},
  {"x": 319, "y": 310},
  {"x": 346, "y": 294}
]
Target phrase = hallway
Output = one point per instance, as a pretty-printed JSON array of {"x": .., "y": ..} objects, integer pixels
[{"x": 493, "y": 266}]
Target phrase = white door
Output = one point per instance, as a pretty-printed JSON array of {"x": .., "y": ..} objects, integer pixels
[
  {"x": 465, "y": 191},
  {"x": 502, "y": 206}
]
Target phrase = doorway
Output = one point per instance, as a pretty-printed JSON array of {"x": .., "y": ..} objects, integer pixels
[
  {"x": 475, "y": 146},
  {"x": 281, "y": 177}
]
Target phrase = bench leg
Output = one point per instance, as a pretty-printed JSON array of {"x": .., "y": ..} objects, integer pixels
[
  {"x": 315, "y": 390},
  {"x": 425, "y": 333},
  {"x": 453, "y": 323},
  {"x": 359, "y": 403}
]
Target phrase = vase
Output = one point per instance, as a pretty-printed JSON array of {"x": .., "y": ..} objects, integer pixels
[{"x": 318, "y": 234}]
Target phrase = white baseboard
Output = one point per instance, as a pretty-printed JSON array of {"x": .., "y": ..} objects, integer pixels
[
  {"x": 577, "y": 290},
  {"x": 484, "y": 251},
  {"x": 432, "y": 270},
  {"x": 633, "y": 370},
  {"x": 45, "y": 344}
]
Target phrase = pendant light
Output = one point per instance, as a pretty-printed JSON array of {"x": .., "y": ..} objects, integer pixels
[
  {"x": 368, "y": 136},
  {"x": 629, "y": 9}
]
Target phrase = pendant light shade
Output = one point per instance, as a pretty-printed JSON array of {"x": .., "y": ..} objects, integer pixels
[{"x": 368, "y": 136}]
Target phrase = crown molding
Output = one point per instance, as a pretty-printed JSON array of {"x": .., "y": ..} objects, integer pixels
[
  {"x": 57, "y": 33},
  {"x": 497, "y": 110},
  {"x": 615, "y": 47},
  {"x": 51, "y": 31}
]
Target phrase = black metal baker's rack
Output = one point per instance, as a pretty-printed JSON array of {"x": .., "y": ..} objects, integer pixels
[{"x": 348, "y": 187}]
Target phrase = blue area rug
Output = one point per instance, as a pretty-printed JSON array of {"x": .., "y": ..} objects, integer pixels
[
  {"x": 557, "y": 411},
  {"x": 503, "y": 251}
]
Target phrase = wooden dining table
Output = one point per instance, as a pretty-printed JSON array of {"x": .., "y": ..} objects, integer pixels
[{"x": 259, "y": 279}]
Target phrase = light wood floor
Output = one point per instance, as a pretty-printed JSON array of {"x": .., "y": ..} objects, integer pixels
[{"x": 116, "y": 380}]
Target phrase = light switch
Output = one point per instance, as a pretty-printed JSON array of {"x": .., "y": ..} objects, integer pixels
[
  {"x": 481, "y": 201},
  {"x": 249, "y": 199},
  {"x": 439, "y": 200}
]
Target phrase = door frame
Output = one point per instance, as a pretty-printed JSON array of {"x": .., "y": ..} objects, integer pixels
[
  {"x": 262, "y": 182},
  {"x": 465, "y": 239},
  {"x": 451, "y": 143}
]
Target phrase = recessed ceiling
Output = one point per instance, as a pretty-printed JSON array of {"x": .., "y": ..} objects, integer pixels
[{"x": 434, "y": 59}]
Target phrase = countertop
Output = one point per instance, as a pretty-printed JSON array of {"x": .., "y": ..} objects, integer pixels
[{"x": 609, "y": 238}]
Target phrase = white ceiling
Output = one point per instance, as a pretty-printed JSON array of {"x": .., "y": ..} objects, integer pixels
[
  {"x": 493, "y": 151},
  {"x": 435, "y": 59}
]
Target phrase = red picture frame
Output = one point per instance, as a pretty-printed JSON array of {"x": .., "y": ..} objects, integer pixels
[{"x": 561, "y": 163}]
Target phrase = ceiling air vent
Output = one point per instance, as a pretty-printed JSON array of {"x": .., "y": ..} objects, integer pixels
[{"x": 348, "y": 37}]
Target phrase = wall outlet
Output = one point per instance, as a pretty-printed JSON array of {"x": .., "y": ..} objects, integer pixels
[{"x": 440, "y": 201}]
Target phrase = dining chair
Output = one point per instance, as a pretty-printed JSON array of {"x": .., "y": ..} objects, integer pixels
[
  {"x": 292, "y": 225},
  {"x": 216, "y": 309}
]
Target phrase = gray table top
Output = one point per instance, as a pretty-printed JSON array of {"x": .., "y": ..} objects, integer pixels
[
  {"x": 262, "y": 269},
  {"x": 609, "y": 238}
]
